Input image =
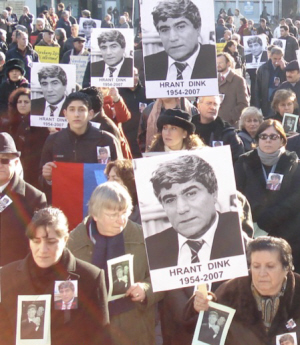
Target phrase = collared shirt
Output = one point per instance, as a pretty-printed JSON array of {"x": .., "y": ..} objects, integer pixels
[
  {"x": 258, "y": 57},
  {"x": 59, "y": 105},
  {"x": 184, "y": 255},
  {"x": 116, "y": 72},
  {"x": 67, "y": 306},
  {"x": 225, "y": 74},
  {"x": 4, "y": 186},
  {"x": 187, "y": 72}
]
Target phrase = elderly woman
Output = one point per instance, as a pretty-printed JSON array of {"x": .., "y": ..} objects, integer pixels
[
  {"x": 269, "y": 177},
  {"x": 106, "y": 234},
  {"x": 284, "y": 101},
  {"x": 265, "y": 301},
  {"x": 121, "y": 171},
  {"x": 250, "y": 120},
  {"x": 48, "y": 262},
  {"x": 175, "y": 132}
]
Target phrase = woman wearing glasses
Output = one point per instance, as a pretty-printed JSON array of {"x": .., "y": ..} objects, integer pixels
[
  {"x": 274, "y": 204},
  {"x": 105, "y": 234}
]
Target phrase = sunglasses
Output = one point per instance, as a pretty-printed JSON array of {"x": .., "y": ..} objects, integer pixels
[
  {"x": 271, "y": 136},
  {"x": 6, "y": 160}
]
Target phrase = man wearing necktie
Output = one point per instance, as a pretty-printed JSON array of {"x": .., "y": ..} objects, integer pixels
[
  {"x": 112, "y": 46},
  {"x": 187, "y": 188},
  {"x": 53, "y": 81},
  {"x": 258, "y": 55},
  {"x": 178, "y": 23}
]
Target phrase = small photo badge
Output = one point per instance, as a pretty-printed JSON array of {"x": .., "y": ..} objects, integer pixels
[
  {"x": 103, "y": 154},
  {"x": 65, "y": 294},
  {"x": 142, "y": 106},
  {"x": 217, "y": 143},
  {"x": 4, "y": 202},
  {"x": 274, "y": 181},
  {"x": 290, "y": 122},
  {"x": 291, "y": 324},
  {"x": 287, "y": 339},
  {"x": 276, "y": 81}
]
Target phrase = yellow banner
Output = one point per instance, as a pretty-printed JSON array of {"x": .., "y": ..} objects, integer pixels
[
  {"x": 48, "y": 54},
  {"x": 220, "y": 47}
]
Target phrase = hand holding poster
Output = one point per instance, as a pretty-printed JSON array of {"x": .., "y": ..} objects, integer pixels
[
  {"x": 198, "y": 238},
  {"x": 179, "y": 48},
  {"x": 112, "y": 58}
]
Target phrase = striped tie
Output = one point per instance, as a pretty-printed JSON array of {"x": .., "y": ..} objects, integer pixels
[
  {"x": 52, "y": 109},
  {"x": 180, "y": 68},
  {"x": 111, "y": 71},
  {"x": 195, "y": 246}
]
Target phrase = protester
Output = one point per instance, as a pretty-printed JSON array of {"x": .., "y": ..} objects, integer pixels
[
  {"x": 106, "y": 234},
  {"x": 274, "y": 211},
  {"x": 26, "y": 19},
  {"x": 267, "y": 299},
  {"x": 49, "y": 261},
  {"x": 291, "y": 44},
  {"x": 249, "y": 123}
]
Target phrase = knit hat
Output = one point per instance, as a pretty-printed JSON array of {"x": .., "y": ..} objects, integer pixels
[
  {"x": 7, "y": 144},
  {"x": 292, "y": 66},
  {"x": 176, "y": 117},
  {"x": 14, "y": 64}
]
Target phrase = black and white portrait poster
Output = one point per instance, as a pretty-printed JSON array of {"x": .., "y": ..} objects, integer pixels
[
  {"x": 190, "y": 221},
  {"x": 34, "y": 320},
  {"x": 279, "y": 43},
  {"x": 120, "y": 276},
  {"x": 50, "y": 84},
  {"x": 290, "y": 122},
  {"x": 213, "y": 324},
  {"x": 255, "y": 50},
  {"x": 112, "y": 57},
  {"x": 179, "y": 48},
  {"x": 86, "y": 25}
]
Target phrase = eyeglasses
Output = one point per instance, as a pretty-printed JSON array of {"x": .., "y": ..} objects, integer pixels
[
  {"x": 271, "y": 136},
  {"x": 6, "y": 160},
  {"x": 116, "y": 216}
]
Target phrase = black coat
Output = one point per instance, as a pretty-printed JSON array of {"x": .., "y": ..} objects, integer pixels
[
  {"x": 126, "y": 70},
  {"x": 85, "y": 325},
  {"x": 276, "y": 212},
  {"x": 15, "y": 218}
]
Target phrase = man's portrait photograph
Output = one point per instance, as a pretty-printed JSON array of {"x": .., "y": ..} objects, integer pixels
[
  {"x": 213, "y": 325},
  {"x": 186, "y": 212},
  {"x": 120, "y": 275},
  {"x": 274, "y": 181},
  {"x": 279, "y": 42},
  {"x": 290, "y": 122},
  {"x": 255, "y": 50},
  {"x": 287, "y": 339},
  {"x": 51, "y": 83},
  {"x": 33, "y": 320},
  {"x": 111, "y": 56},
  {"x": 178, "y": 41},
  {"x": 66, "y": 294},
  {"x": 103, "y": 154},
  {"x": 86, "y": 25}
]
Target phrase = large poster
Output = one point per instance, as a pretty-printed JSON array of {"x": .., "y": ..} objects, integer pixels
[
  {"x": 179, "y": 48},
  {"x": 112, "y": 58},
  {"x": 255, "y": 50},
  {"x": 50, "y": 84},
  {"x": 86, "y": 25},
  {"x": 190, "y": 221}
]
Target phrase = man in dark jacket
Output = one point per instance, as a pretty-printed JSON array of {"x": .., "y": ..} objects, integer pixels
[
  {"x": 291, "y": 44},
  {"x": 212, "y": 129},
  {"x": 269, "y": 76},
  {"x": 23, "y": 52},
  {"x": 65, "y": 23},
  {"x": 18, "y": 201}
]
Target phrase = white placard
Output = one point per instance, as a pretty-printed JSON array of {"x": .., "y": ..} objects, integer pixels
[{"x": 255, "y": 50}]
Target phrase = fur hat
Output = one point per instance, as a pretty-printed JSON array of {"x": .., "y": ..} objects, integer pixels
[{"x": 14, "y": 64}]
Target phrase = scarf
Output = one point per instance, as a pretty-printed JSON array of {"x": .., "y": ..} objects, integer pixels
[
  {"x": 270, "y": 159},
  {"x": 268, "y": 305},
  {"x": 167, "y": 149}
]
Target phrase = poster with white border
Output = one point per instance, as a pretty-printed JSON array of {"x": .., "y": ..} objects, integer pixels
[
  {"x": 112, "y": 65},
  {"x": 120, "y": 276},
  {"x": 290, "y": 122},
  {"x": 80, "y": 62},
  {"x": 37, "y": 309},
  {"x": 86, "y": 25},
  {"x": 50, "y": 91},
  {"x": 279, "y": 43},
  {"x": 213, "y": 325},
  {"x": 287, "y": 339},
  {"x": 255, "y": 50},
  {"x": 179, "y": 41},
  {"x": 169, "y": 258}
]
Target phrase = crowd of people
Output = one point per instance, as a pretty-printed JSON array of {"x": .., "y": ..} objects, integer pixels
[{"x": 256, "y": 114}]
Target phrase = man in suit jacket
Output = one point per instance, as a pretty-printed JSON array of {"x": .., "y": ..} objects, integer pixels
[
  {"x": 183, "y": 56},
  {"x": 112, "y": 46},
  {"x": 119, "y": 285},
  {"x": 258, "y": 56},
  {"x": 53, "y": 81},
  {"x": 198, "y": 231},
  {"x": 31, "y": 326}
]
